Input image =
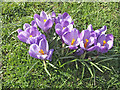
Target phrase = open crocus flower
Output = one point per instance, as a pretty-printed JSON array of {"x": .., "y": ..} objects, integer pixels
[
  {"x": 44, "y": 21},
  {"x": 71, "y": 38},
  {"x": 41, "y": 51},
  {"x": 29, "y": 34},
  {"x": 104, "y": 43},
  {"x": 87, "y": 39}
]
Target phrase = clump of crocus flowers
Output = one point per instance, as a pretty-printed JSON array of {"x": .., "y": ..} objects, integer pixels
[{"x": 87, "y": 40}]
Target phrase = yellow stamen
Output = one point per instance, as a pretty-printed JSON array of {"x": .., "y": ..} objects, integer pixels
[
  {"x": 104, "y": 42},
  {"x": 30, "y": 36},
  {"x": 42, "y": 52},
  {"x": 85, "y": 45},
  {"x": 63, "y": 27},
  {"x": 73, "y": 40},
  {"x": 45, "y": 20}
]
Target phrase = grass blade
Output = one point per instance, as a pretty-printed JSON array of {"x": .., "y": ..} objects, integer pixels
[
  {"x": 89, "y": 69},
  {"x": 96, "y": 66},
  {"x": 31, "y": 68}
]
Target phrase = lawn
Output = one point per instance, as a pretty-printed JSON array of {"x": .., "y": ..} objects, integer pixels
[{"x": 20, "y": 70}]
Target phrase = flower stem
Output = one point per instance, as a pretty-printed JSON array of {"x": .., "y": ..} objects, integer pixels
[
  {"x": 45, "y": 67},
  {"x": 63, "y": 44}
]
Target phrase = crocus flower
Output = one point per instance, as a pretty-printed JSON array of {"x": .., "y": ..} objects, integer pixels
[
  {"x": 44, "y": 21},
  {"x": 63, "y": 27},
  {"x": 87, "y": 39},
  {"x": 71, "y": 38},
  {"x": 104, "y": 43},
  {"x": 29, "y": 35},
  {"x": 64, "y": 17},
  {"x": 99, "y": 31},
  {"x": 41, "y": 51}
]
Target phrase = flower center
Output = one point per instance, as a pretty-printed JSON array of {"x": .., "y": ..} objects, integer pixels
[
  {"x": 45, "y": 20},
  {"x": 85, "y": 45},
  {"x": 73, "y": 40},
  {"x": 30, "y": 36},
  {"x": 104, "y": 42},
  {"x": 63, "y": 27},
  {"x": 42, "y": 52}
]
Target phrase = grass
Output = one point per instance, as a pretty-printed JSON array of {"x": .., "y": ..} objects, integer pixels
[{"x": 69, "y": 72}]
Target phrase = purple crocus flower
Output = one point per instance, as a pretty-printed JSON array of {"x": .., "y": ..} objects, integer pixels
[
  {"x": 87, "y": 39},
  {"x": 64, "y": 17},
  {"x": 99, "y": 31},
  {"x": 30, "y": 34},
  {"x": 71, "y": 38},
  {"x": 104, "y": 43},
  {"x": 44, "y": 21},
  {"x": 41, "y": 50},
  {"x": 63, "y": 27}
]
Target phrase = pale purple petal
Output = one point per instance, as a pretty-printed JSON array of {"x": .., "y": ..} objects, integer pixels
[
  {"x": 49, "y": 57},
  {"x": 26, "y": 25},
  {"x": 43, "y": 44},
  {"x": 23, "y": 36},
  {"x": 58, "y": 29},
  {"x": 91, "y": 48},
  {"x": 40, "y": 24},
  {"x": 19, "y": 30},
  {"x": 36, "y": 16},
  {"x": 53, "y": 14},
  {"x": 34, "y": 50},
  {"x": 79, "y": 52},
  {"x": 109, "y": 40},
  {"x": 90, "y": 28},
  {"x": 33, "y": 23},
  {"x": 43, "y": 15},
  {"x": 103, "y": 49}
]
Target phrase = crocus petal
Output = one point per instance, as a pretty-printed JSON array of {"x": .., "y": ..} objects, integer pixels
[
  {"x": 48, "y": 23},
  {"x": 39, "y": 23},
  {"x": 58, "y": 29},
  {"x": 73, "y": 47},
  {"x": 103, "y": 49},
  {"x": 36, "y": 16},
  {"x": 43, "y": 44},
  {"x": 65, "y": 15},
  {"x": 65, "y": 23},
  {"x": 42, "y": 57},
  {"x": 101, "y": 39},
  {"x": 103, "y": 29},
  {"x": 91, "y": 48},
  {"x": 43, "y": 14},
  {"x": 49, "y": 57},
  {"x": 26, "y": 25},
  {"x": 34, "y": 50},
  {"x": 109, "y": 39},
  {"x": 53, "y": 14},
  {"x": 19, "y": 30},
  {"x": 90, "y": 28},
  {"x": 82, "y": 44},
  {"x": 33, "y": 23},
  {"x": 23, "y": 36}
]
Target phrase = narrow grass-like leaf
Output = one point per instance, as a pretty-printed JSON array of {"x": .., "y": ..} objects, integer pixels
[
  {"x": 67, "y": 57},
  {"x": 68, "y": 62},
  {"x": 51, "y": 65},
  {"x": 96, "y": 66},
  {"x": 89, "y": 69},
  {"x": 31, "y": 68},
  {"x": 108, "y": 59},
  {"x": 103, "y": 66}
]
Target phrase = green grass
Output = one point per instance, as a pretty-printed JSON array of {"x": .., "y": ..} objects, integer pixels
[{"x": 103, "y": 72}]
